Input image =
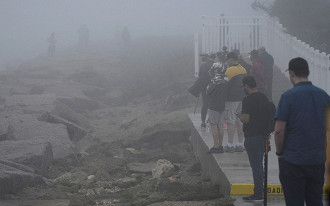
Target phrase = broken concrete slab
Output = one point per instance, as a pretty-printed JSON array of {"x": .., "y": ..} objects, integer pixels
[
  {"x": 75, "y": 131},
  {"x": 13, "y": 179},
  {"x": 34, "y": 154},
  {"x": 28, "y": 127}
]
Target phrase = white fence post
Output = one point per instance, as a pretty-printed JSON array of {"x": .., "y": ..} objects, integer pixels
[{"x": 196, "y": 54}]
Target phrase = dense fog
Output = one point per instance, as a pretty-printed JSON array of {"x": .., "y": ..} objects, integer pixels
[{"x": 26, "y": 25}]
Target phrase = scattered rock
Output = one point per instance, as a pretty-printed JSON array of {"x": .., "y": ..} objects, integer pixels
[
  {"x": 164, "y": 168},
  {"x": 133, "y": 151},
  {"x": 71, "y": 178},
  {"x": 80, "y": 200},
  {"x": 127, "y": 182},
  {"x": 141, "y": 167}
]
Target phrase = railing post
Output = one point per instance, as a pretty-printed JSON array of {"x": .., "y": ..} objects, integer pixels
[{"x": 196, "y": 54}]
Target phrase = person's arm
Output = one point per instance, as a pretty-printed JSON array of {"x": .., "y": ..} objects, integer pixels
[
  {"x": 245, "y": 118},
  {"x": 279, "y": 136}
]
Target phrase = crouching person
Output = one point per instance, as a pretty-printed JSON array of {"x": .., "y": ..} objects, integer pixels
[{"x": 217, "y": 92}]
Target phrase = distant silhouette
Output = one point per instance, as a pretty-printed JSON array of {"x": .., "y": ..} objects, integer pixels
[
  {"x": 51, "y": 44},
  {"x": 83, "y": 39},
  {"x": 125, "y": 35}
]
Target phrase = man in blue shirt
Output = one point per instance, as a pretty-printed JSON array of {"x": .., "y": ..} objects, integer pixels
[{"x": 300, "y": 138}]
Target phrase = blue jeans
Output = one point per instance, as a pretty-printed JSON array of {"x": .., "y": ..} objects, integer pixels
[
  {"x": 255, "y": 147},
  {"x": 301, "y": 183}
]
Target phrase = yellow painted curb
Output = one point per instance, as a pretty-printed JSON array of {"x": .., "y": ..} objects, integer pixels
[{"x": 272, "y": 189}]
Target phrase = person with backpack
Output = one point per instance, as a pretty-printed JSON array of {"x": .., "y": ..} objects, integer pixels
[
  {"x": 199, "y": 87},
  {"x": 217, "y": 92},
  {"x": 256, "y": 130}
]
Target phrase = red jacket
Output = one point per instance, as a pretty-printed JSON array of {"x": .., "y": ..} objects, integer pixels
[{"x": 258, "y": 72}]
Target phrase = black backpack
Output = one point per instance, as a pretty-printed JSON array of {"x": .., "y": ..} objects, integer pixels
[{"x": 267, "y": 111}]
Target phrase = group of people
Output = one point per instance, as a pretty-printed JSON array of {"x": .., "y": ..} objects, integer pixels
[
  {"x": 219, "y": 83},
  {"x": 233, "y": 92},
  {"x": 83, "y": 40}
]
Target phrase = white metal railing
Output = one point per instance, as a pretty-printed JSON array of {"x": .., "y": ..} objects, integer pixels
[{"x": 248, "y": 33}]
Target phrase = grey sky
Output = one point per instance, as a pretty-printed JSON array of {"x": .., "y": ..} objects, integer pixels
[{"x": 26, "y": 24}]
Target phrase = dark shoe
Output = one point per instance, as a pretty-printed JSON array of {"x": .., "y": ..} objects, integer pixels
[
  {"x": 203, "y": 125},
  {"x": 229, "y": 149},
  {"x": 253, "y": 198},
  {"x": 216, "y": 150},
  {"x": 239, "y": 148}
]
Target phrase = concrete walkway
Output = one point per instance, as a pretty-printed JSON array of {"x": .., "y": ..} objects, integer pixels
[
  {"x": 231, "y": 169},
  {"x": 236, "y": 166}
]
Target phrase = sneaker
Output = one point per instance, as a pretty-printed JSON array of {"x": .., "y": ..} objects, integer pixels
[
  {"x": 229, "y": 149},
  {"x": 253, "y": 197},
  {"x": 216, "y": 150},
  {"x": 239, "y": 148},
  {"x": 203, "y": 125}
]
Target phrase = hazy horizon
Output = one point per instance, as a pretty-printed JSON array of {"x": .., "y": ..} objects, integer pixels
[{"x": 26, "y": 25}]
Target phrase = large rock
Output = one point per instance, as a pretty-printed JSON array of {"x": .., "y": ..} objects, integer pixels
[
  {"x": 28, "y": 152},
  {"x": 28, "y": 127},
  {"x": 36, "y": 102},
  {"x": 14, "y": 177},
  {"x": 163, "y": 168}
]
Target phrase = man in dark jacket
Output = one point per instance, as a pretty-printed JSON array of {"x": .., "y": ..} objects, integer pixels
[
  {"x": 217, "y": 93},
  {"x": 258, "y": 72},
  {"x": 268, "y": 61},
  {"x": 204, "y": 78}
]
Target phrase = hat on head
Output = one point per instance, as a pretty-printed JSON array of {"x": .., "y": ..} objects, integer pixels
[
  {"x": 261, "y": 48},
  {"x": 254, "y": 53},
  {"x": 232, "y": 55}
]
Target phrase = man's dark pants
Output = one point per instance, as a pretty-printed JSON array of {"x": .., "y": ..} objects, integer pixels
[
  {"x": 255, "y": 149},
  {"x": 302, "y": 183}
]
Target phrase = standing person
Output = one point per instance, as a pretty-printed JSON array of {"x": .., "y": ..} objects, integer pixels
[
  {"x": 300, "y": 138},
  {"x": 235, "y": 94},
  {"x": 258, "y": 72},
  {"x": 217, "y": 92},
  {"x": 51, "y": 44},
  {"x": 242, "y": 62},
  {"x": 205, "y": 78},
  {"x": 254, "y": 133},
  {"x": 83, "y": 39},
  {"x": 268, "y": 61}
]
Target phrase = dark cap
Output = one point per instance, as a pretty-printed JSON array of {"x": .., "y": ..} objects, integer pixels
[
  {"x": 232, "y": 55},
  {"x": 299, "y": 67},
  {"x": 254, "y": 53}
]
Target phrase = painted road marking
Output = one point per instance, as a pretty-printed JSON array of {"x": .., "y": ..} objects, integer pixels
[{"x": 272, "y": 189}]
